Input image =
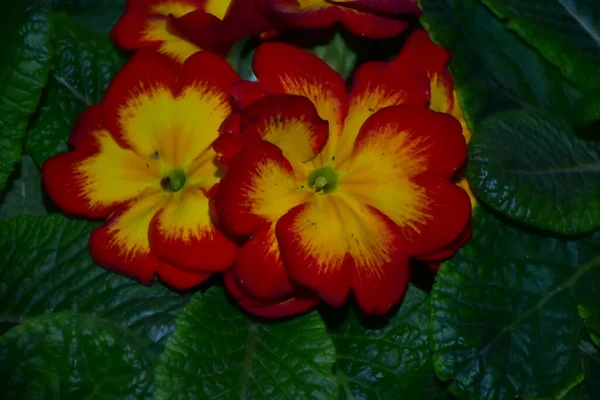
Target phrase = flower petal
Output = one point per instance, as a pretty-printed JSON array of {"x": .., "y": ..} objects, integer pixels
[
  {"x": 383, "y": 6},
  {"x": 182, "y": 234},
  {"x": 258, "y": 188},
  {"x": 130, "y": 32},
  {"x": 412, "y": 140},
  {"x": 373, "y": 26},
  {"x": 98, "y": 176},
  {"x": 420, "y": 53},
  {"x": 258, "y": 266},
  {"x": 376, "y": 86},
  {"x": 335, "y": 243},
  {"x": 285, "y": 69},
  {"x": 289, "y": 122},
  {"x": 222, "y": 23},
  {"x": 89, "y": 122},
  {"x": 243, "y": 93},
  {"x": 446, "y": 212},
  {"x": 307, "y": 14},
  {"x": 448, "y": 251},
  {"x": 144, "y": 74},
  {"x": 394, "y": 147},
  {"x": 121, "y": 244},
  {"x": 159, "y": 123},
  {"x": 180, "y": 279},
  {"x": 298, "y": 302}
]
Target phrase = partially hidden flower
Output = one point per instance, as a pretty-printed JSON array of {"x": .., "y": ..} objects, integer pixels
[
  {"x": 337, "y": 192},
  {"x": 179, "y": 28},
  {"x": 142, "y": 160},
  {"x": 376, "y": 19}
]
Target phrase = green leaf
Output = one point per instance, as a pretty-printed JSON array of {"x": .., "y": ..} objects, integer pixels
[
  {"x": 338, "y": 54},
  {"x": 84, "y": 65},
  {"x": 566, "y": 32},
  {"x": 26, "y": 195},
  {"x": 45, "y": 267},
  {"x": 589, "y": 389},
  {"x": 378, "y": 359},
  {"x": 240, "y": 57},
  {"x": 587, "y": 110},
  {"x": 531, "y": 167},
  {"x": 99, "y": 15},
  {"x": 74, "y": 356},
  {"x": 25, "y": 45},
  {"x": 218, "y": 352},
  {"x": 492, "y": 68},
  {"x": 504, "y": 312}
]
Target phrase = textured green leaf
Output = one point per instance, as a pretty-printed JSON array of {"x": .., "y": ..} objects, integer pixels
[
  {"x": 492, "y": 68},
  {"x": 100, "y": 15},
  {"x": 25, "y": 45},
  {"x": 74, "y": 356},
  {"x": 533, "y": 168},
  {"x": 45, "y": 267},
  {"x": 217, "y": 352},
  {"x": 566, "y": 32},
  {"x": 84, "y": 64},
  {"x": 379, "y": 359},
  {"x": 505, "y": 316},
  {"x": 25, "y": 195}
]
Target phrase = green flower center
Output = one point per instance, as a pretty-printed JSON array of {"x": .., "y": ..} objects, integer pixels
[
  {"x": 323, "y": 180},
  {"x": 174, "y": 181}
]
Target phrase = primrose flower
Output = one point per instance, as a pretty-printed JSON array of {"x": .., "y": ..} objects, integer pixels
[
  {"x": 143, "y": 159},
  {"x": 179, "y": 28},
  {"x": 337, "y": 192},
  {"x": 372, "y": 18}
]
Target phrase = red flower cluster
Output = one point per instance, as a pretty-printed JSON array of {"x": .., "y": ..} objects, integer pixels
[
  {"x": 179, "y": 28},
  {"x": 298, "y": 189}
]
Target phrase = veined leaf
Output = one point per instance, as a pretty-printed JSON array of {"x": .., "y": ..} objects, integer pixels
[
  {"x": 566, "y": 32},
  {"x": 74, "y": 356},
  {"x": 386, "y": 359},
  {"x": 533, "y": 168},
  {"x": 492, "y": 68},
  {"x": 218, "y": 352},
  {"x": 99, "y": 15},
  {"x": 84, "y": 64},
  {"x": 45, "y": 267},
  {"x": 505, "y": 312},
  {"x": 25, "y": 195},
  {"x": 26, "y": 48}
]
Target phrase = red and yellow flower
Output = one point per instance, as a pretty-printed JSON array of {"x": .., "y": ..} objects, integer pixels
[
  {"x": 337, "y": 192},
  {"x": 143, "y": 160},
  {"x": 372, "y": 18},
  {"x": 179, "y": 28}
]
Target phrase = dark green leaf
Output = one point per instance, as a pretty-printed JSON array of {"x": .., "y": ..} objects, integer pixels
[
  {"x": 217, "y": 352},
  {"x": 82, "y": 69},
  {"x": 45, "y": 267},
  {"x": 505, "y": 312},
  {"x": 25, "y": 195},
  {"x": 533, "y": 168},
  {"x": 589, "y": 389},
  {"x": 25, "y": 45},
  {"x": 492, "y": 68},
  {"x": 379, "y": 362},
  {"x": 587, "y": 110},
  {"x": 74, "y": 356},
  {"x": 100, "y": 15},
  {"x": 240, "y": 57},
  {"x": 566, "y": 32}
]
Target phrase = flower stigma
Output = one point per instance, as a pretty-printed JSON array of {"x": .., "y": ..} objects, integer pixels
[
  {"x": 174, "y": 181},
  {"x": 323, "y": 179}
]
